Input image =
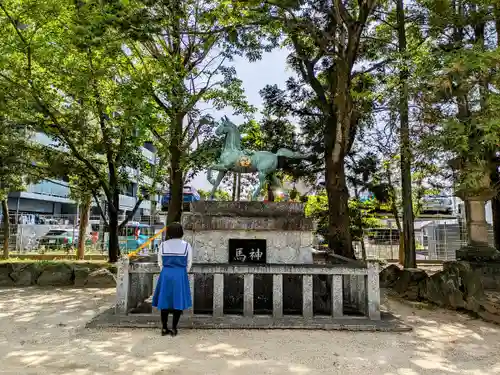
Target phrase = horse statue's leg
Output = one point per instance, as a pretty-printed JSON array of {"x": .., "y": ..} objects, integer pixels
[
  {"x": 275, "y": 182},
  {"x": 262, "y": 182},
  {"x": 216, "y": 183}
]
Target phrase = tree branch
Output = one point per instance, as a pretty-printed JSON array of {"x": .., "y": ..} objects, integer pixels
[
  {"x": 130, "y": 214},
  {"x": 101, "y": 212}
]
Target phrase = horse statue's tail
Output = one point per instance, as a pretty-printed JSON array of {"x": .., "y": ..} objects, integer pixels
[{"x": 291, "y": 154}]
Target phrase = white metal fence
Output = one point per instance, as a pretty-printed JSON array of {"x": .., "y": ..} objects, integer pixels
[
  {"x": 29, "y": 233},
  {"x": 435, "y": 239}
]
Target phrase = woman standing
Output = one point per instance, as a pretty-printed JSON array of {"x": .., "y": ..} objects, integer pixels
[{"x": 172, "y": 293}]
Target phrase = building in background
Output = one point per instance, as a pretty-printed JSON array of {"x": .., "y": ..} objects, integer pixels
[{"x": 52, "y": 197}]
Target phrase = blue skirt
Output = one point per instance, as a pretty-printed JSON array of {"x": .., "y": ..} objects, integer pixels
[{"x": 172, "y": 290}]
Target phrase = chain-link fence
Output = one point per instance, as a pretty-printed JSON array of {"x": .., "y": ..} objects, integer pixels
[
  {"x": 59, "y": 234},
  {"x": 436, "y": 239}
]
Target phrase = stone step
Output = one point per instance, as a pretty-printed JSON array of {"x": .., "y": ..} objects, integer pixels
[{"x": 388, "y": 323}]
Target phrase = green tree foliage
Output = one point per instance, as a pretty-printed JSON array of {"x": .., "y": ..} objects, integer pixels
[
  {"x": 15, "y": 168},
  {"x": 70, "y": 72},
  {"x": 182, "y": 53},
  {"x": 220, "y": 195},
  {"x": 19, "y": 156},
  {"x": 362, "y": 215},
  {"x": 458, "y": 80},
  {"x": 327, "y": 39}
]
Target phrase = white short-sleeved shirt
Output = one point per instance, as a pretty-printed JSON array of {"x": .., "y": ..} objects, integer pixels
[{"x": 175, "y": 247}]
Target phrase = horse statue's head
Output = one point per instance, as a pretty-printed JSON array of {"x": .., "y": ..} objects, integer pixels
[{"x": 225, "y": 126}]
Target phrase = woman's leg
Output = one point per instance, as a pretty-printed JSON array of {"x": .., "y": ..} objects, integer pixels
[
  {"x": 177, "y": 316},
  {"x": 164, "y": 321}
]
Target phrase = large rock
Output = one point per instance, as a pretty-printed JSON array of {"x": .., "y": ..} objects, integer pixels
[
  {"x": 81, "y": 274},
  {"x": 25, "y": 274},
  {"x": 60, "y": 274},
  {"x": 458, "y": 286},
  {"x": 101, "y": 278},
  {"x": 5, "y": 279},
  {"x": 389, "y": 275},
  {"x": 410, "y": 283}
]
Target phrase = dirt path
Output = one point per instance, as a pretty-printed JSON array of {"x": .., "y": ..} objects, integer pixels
[{"x": 41, "y": 332}]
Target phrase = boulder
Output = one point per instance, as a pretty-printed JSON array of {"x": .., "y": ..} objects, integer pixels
[
  {"x": 491, "y": 302},
  {"x": 59, "y": 274},
  {"x": 25, "y": 274},
  {"x": 489, "y": 317},
  {"x": 389, "y": 275},
  {"x": 101, "y": 278},
  {"x": 5, "y": 279},
  {"x": 81, "y": 274},
  {"x": 410, "y": 284},
  {"x": 458, "y": 286}
]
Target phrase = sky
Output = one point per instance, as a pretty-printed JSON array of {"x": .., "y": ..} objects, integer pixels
[{"x": 271, "y": 69}]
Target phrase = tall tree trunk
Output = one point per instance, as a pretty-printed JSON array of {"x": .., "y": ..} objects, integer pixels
[
  {"x": 6, "y": 228},
  {"x": 238, "y": 193},
  {"x": 338, "y": 134},
  {"x": 395, "y": 213},
  {"x": 410, "y": 256},
  {"x": 235, "y": 186},
  {"x": 176, "y": 179},
  {"x": 495, "y": 209},
  {"x": 495, "y": 175},
  {"x": 359, "y": 224},
  {"x": 82, "y": 230},
  {"x": 114, "y": 242},
  {"x": 339, "y": 235}
]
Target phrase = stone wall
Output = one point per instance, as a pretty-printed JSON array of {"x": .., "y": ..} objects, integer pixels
[
  {"x": 489, "y": 273},
  {"x": 458, "y": 286},
  {"x": 49, "y": 274},
  {"x": 282, "y": 247}
]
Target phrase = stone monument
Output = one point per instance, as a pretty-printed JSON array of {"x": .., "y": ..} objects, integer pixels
[
  {"x": 253, "y": 261},
  {"x": 249, "y": 232}
]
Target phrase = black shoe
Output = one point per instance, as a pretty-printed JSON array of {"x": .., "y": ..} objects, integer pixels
[
  {"x": 165, "y": 332},
  {"x": 173, "y": 332}
]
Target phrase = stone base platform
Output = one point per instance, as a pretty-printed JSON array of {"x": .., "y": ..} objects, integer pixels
[
  {"x": 288, "y": 233},
  {"x": 388, "y": 323}
]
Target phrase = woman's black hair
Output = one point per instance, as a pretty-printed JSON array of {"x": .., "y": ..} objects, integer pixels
[{"x": 174, "y": 231}]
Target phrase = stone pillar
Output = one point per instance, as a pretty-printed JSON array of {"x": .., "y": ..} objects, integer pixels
[
  {"x": 218, "y": 309},
  {"x": 191, "y": 287},
  {"x": 307, "y": 296},
  {"x": 337, "y": 296},
  {"x": 122, "y": 286},
  {"x": 478, "y": 235},
  {"x": 248, "y": 295},
  {"x": 477, "y": 248},
  {"x": 373, "y": 292},
  {"x": 278, "y": 296}
]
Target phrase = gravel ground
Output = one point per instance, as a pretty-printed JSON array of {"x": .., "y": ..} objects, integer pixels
[{"x": 42, "y": 332}]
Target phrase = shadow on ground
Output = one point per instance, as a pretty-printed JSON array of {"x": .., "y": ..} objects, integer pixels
[{"x": 43, "y": 333}]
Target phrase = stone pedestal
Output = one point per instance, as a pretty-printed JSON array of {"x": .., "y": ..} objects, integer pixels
[
  {"x": 475, "y": 198},
  {"x": 477, "y": 248},
  {"x": 288, "y": 233}
]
